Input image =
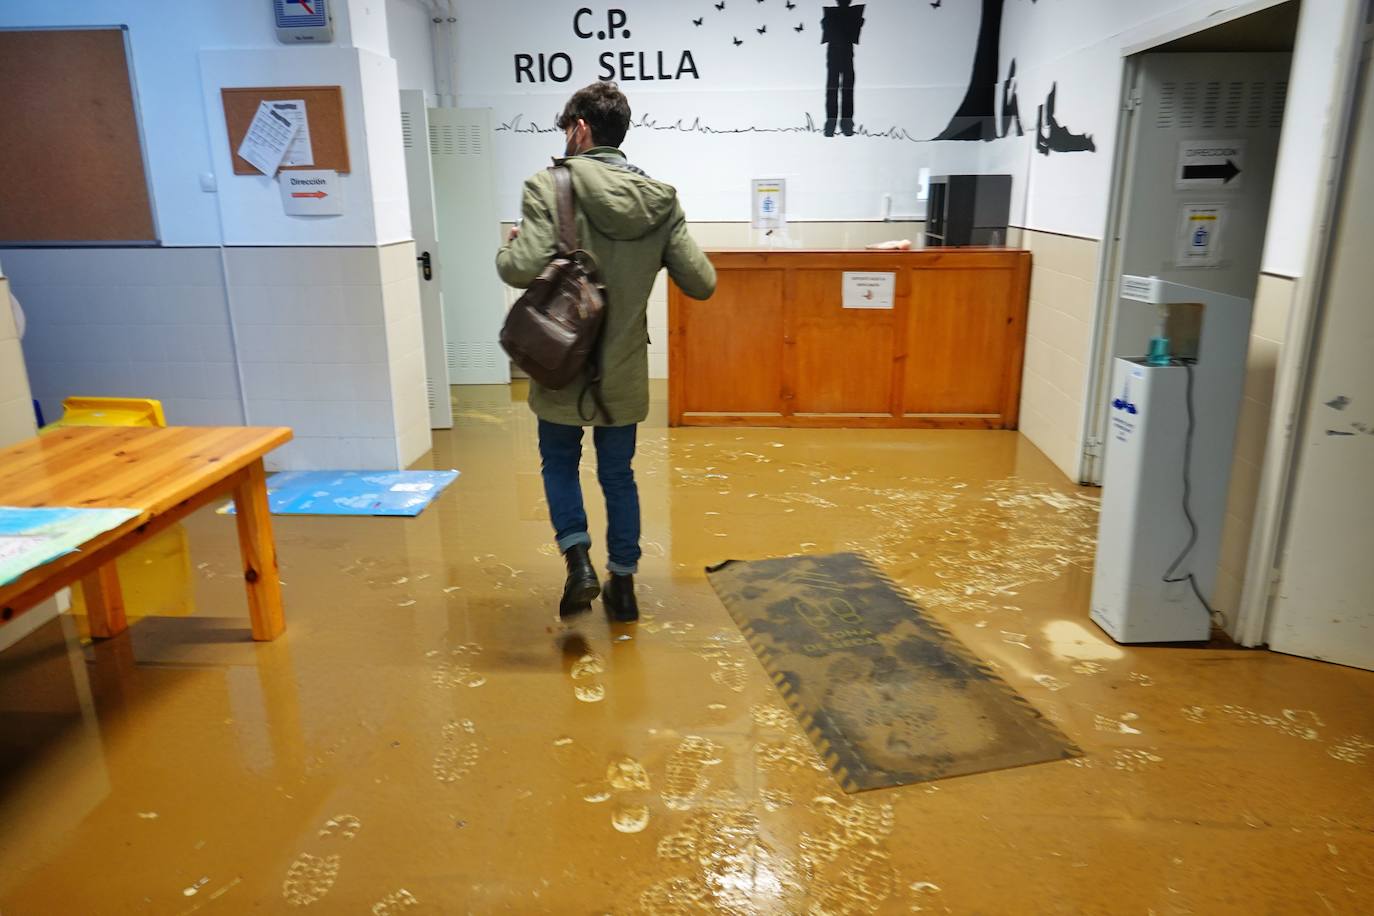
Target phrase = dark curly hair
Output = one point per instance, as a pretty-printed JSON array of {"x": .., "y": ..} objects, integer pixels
[{"x": 605, "y": 109}]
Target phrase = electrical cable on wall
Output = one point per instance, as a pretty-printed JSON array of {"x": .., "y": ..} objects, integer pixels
[{"x": 1190, "y": 578}]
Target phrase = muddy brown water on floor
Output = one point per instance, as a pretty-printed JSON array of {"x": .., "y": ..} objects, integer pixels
[{"x": 427, "y": 737}]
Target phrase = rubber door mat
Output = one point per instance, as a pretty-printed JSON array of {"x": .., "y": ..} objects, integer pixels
[{"x": 886, "y": 694}]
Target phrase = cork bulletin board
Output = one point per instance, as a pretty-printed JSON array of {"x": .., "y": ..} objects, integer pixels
[
  {"x": 71, "y": 164},
  {"x": 323, "y": 110}
]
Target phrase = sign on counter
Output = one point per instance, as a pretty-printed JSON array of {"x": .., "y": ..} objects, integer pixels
[{"x": 869, "y": 291}]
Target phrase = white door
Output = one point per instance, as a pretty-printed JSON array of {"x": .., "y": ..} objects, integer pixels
[
  {"x": 420, "y": 178},
  {"x": 469, "y": 235},
  {"x": 1324, "y": 602},
  {"x": 1188, "y": 105}
]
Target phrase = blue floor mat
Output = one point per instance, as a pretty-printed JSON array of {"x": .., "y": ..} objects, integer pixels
[{"x": 402, "y": 493}]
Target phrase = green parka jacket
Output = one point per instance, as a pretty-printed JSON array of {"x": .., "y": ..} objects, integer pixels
[{"x": 633, "y": 226}]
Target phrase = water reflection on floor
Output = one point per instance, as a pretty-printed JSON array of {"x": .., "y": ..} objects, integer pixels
[{"x": 428, "y": 738}]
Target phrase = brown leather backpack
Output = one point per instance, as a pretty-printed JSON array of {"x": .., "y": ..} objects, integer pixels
[{"x": 553, "y": 331}]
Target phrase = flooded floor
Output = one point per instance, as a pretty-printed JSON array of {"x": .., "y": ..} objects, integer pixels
[{"x": 428, "y": 738}]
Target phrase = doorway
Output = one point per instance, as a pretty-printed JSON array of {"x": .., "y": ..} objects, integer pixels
[{"x": 1196, "y": 154}]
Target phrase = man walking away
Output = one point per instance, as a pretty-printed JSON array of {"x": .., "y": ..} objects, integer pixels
[{"x": 633, "y": 226}]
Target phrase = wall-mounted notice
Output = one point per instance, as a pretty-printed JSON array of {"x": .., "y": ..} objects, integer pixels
[
  {"x": 1199, "y": 236},
  {"x": 306, "y": 192},
  {"x": 268, "y": 139},
  {"x": 1210, "y": 164},
  {"x": 868, "y": 291},
  {"x": 770, "y": 203},
  {"x": 300, "y": 151}
]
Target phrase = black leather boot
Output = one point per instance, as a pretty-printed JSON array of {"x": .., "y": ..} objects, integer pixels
[
  {"x": 620, "y": 599},
  {"x": 582, "y": 586}
]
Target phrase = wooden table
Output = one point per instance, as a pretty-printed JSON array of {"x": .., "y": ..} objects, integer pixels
[
  {"x": 165, "y": 474},
  {"x": 775, "y": 345}
]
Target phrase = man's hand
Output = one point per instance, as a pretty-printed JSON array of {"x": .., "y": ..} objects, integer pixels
[{"x": 513, "y": 234}]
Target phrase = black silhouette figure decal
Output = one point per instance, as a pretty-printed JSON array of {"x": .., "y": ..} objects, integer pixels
[
  {"x": 1051, "y": 137},
  {"x": 840, "y": 27},
  {"x": 976, "y": 117},
  {"x": 1011, "y": 109}
]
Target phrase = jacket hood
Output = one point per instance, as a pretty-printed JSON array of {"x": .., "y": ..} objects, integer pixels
[{"x": 621, "y": 203}]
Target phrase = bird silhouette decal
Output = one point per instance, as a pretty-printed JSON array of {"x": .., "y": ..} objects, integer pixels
[
  {"x": 738, "y": 42},
  {"x": 801, "y": 27},
  {"x": 720, "y": 5},
  {"x": 698, "y": 21},
  {"x": 763, "y": 30},
  {"x": 791, "y": 5}
]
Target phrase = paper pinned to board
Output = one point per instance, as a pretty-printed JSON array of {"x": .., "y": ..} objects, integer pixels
[
  {"x": 268, "y": 138},
  {"x": 300, "y": 152}
]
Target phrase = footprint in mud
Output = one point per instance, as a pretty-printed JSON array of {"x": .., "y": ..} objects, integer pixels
[
  {"x": 393, "y": 903},
  {"x": 686, "y": 775},
  {"x": 626, "y": 780},
  {"x": 584, "y": 672},
  {"x": 458, "y": 669},
  {"x": 309, "y": 878},
  {"x": 459, "y": 753},
  {"x": 345, "y": 825}
]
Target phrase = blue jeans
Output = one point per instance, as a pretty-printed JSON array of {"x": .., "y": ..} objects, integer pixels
[{"x": 560, "y": 447}]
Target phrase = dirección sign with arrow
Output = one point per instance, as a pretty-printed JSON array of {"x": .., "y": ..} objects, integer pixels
[{"x": 1210, "y": 163}]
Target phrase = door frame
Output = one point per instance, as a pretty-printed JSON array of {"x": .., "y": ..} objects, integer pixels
[
  {"x": 1293, "y": 380},
  {"x": 1107, "y": 302}
]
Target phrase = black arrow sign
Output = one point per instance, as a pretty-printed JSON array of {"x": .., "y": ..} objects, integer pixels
[{"x": 1225, "y": 171}]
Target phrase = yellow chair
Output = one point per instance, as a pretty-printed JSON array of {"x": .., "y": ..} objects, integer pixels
[
  {"x": 110, "y": 412},
  {"x": 156, "y": 576}
]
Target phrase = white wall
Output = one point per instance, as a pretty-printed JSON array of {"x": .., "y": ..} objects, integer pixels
[
  {"x": 912, "y": 66},
  {"x": 409, "y": 30},
  {"x": 1307, "y": 125},
  {"x": 305, "y": 295},
  {"x": 184, "y": 133}
]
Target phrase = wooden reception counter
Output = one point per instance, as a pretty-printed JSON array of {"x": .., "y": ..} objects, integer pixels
[{"x": 778, "y": 346}]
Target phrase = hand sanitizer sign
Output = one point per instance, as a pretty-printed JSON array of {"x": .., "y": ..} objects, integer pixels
[
  {"x": 1199, "y": 237},
  {"x": 770, "y": 203}
]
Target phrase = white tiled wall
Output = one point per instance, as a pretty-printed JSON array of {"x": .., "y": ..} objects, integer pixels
[
  {"x": 315, "y": 330},
  {"x": 16, "y": 403},
  {"x": 1058, "y": 344},
  {"x": 128, "y": 323}
]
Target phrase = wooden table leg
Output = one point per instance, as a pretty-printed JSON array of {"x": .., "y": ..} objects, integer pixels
[
  {"x": 104, "y": 602},
  {"x": 259, "y": 552}
]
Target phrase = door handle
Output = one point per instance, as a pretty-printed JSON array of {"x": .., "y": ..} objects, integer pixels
[{"x": 427, "y": 265}]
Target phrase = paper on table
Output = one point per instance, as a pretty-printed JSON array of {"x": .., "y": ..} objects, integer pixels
[
  {"x": 300, "y": 152},
  {"x": 268, "y": 138},
  {"x": 31, "y": 537}
]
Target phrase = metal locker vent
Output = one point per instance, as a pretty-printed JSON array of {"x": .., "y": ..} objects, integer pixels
[
  {"x": 1168, "y": 105},
  {"x": 429, "y": 386},
  {"x": 451, "y": 140},
  {"x": 1211, "y": 105},
  {"x": 1179, "y": 104},
  {"x": 1254, "y": 111},
  {"x": 1278, "y": 99},
  {"x": 1234, "y": 105},
  {"x": 466, "y": 354},
  {"x": 407, "y": 131}
]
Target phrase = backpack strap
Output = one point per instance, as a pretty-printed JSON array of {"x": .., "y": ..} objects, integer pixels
[{"x": 565, "y": 204}]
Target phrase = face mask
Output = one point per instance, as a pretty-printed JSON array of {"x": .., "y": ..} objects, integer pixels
[{"x": 571, "y": 148}]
